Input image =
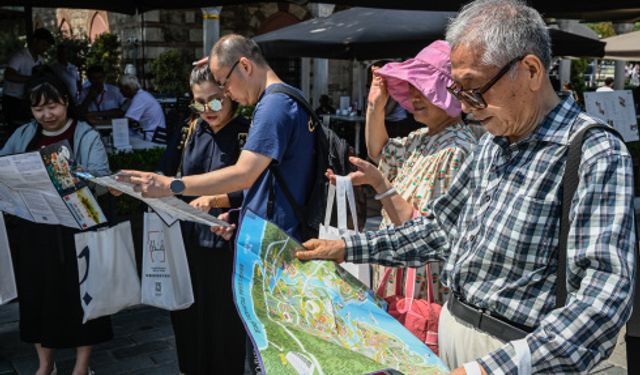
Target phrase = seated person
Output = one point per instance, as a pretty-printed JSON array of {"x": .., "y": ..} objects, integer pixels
[
  {"x": 325, "y": 107},
  {"x": 100, "y": 100},
  {"x": 143, "y": 109}
]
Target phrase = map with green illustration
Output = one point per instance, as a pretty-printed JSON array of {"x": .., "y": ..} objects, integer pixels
[{"x": 314, "y": 318}]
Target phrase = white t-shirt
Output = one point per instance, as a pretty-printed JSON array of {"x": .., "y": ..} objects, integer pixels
[
  {"x": 146, "y": 110},
  {"x": 604, "y": 88},
  {"x": 23, "y": 63},
  {"x": 70, "y": 75},
  {"x": 110, "y": 98}
]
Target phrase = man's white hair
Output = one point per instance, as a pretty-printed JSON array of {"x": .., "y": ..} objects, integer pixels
[
  {"x": 130, "y": 81},
  {"x": 502, "y": 29}
]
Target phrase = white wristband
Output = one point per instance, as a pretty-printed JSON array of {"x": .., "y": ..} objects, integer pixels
[
  {"x": 472, "y": 368},
  {"x": 385, "y": 194}
]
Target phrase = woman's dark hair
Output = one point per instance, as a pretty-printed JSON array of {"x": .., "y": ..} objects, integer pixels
[
  {"x": 200, "y": 74},
  {"x": 45, "y": 86}
]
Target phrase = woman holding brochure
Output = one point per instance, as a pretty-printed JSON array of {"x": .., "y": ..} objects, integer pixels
[
  {"x": 46, "y": 265},
  {"x": 209, "y": 334}
]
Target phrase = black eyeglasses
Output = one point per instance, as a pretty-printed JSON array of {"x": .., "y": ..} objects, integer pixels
[
  {"x": 214, "y": 105},
  {"x": 473, "y": 97},
  {"x": 224, "y": 82}
]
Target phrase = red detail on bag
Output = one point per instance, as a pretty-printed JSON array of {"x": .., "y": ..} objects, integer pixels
[{"x": 419, "y": 316}]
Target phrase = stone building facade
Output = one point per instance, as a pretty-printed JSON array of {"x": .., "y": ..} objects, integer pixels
[{"x": 161, "y": 30}]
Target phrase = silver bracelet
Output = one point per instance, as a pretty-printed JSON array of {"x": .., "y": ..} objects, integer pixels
[{"x": 385, "y": 194}]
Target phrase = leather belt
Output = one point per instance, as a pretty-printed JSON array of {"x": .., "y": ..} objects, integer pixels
[{"x": 484, "y": 321}]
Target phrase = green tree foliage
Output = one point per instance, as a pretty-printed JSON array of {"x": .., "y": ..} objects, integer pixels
[
  {"x": 603, "y": 29},
  {"x": 105, "y": 51},
  {"x": 171, "y": 72},
  {"x": 79, "y": 47}
]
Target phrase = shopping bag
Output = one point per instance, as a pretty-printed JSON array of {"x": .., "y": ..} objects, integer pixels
[
  {"x": 419, "y": 316},
  {"x": 166, "y": 281},
  {"x": 8, "y": 289},
  {"x": 107, "y": 271},
  {"x": 342, "y": 192}
]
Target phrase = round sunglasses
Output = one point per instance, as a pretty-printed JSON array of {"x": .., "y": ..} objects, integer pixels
[{"x": 214, "y": 105}]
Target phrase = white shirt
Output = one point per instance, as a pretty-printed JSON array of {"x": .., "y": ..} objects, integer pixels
[
  {"x": 70, "y": 75},
  {"x": 146, "y": 110},
  {"x": 23, "y": 63},
  {"x": 110, "y": 98},
  {"x": 604, "y": 88}
]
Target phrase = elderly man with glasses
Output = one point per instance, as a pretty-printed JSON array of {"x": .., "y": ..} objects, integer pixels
[{"x": 498, "y": 227}]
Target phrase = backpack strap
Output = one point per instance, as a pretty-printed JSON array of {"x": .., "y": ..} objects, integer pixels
[
  {"x": 273, "y": 167},
  {"x": 570, "y": 181}
]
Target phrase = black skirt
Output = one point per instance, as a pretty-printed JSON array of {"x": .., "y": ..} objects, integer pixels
[
  {"x": 48, "y": 288},
  {"x": 210, "y": 337}
]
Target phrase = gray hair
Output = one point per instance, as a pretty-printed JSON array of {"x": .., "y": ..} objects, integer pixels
[
  {"x": 230, "y": 48},
  {"x": 130, "y": 81},
  {"x": 503, "y": 29}
]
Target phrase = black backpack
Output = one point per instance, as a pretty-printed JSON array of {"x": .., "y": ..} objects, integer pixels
[{"x": 331, "y": 151}]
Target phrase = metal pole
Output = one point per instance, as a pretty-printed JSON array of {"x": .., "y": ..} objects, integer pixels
[
  {"x": 142, "y": 45},
  {"x": 210, "y": 28}
]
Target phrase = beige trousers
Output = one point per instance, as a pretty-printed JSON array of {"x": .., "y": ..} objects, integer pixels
[{"x": 459, "y": 342}]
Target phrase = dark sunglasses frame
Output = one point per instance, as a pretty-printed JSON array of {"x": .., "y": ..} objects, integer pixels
[
  {"x": 223, "y": 84},
  {"x": 473, "y": 97}
]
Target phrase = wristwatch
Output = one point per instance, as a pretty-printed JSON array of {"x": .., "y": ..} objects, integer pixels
[{"x": 177, "y": 186}]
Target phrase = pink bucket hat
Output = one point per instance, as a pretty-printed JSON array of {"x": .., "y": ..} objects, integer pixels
[{"x": 429, "y": 72}]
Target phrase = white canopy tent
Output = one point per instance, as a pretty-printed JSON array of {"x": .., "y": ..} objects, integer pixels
[{"x": 623, "y": 47}]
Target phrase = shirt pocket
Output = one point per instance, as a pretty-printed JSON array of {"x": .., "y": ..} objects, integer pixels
[{"x": 533, "y": 230}]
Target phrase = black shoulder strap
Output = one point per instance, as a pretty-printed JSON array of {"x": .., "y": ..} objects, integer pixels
[
  {"x": 273, "y": 167},
  {"x": 569, "y": 185},
  {"x": 298, "y": 98}
]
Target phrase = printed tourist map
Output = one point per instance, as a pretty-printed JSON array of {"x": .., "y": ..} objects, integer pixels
[{"x": 314, "y": 317}]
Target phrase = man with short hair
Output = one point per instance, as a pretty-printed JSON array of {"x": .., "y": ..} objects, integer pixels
[
  {"x": 143, "y": 109},
  {"x": 497, "y": 227},
  {"x": 279, "y": 134},
  {"x": 608, "y": 85},
  {"x": 98, "y": 99},
  {"x": 68, "y": 72},
  {"x": 15, "y": 106}
]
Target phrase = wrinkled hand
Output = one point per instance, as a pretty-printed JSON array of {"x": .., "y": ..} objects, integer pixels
[
  {"x": 223, "y": 232},
  {"x": 203, "y": 203},
  {"x": 378, "y": 94},
  {"x": 367, "y": 174},
  {"x": 151, "y": 185},
  {"x": 323, "y": 249}
]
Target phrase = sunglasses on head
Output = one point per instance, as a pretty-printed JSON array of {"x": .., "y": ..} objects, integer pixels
[
  {"x": 473, "y": 97},
  {"x": 214, "y": 105}
]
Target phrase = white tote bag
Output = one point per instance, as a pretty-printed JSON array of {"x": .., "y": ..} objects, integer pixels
[
  {"x": 343, "y": 193},
  {"x": 166, "y": 281},
  {"x": 8, "y": 290},
  {"x": 107, "y": 271}
]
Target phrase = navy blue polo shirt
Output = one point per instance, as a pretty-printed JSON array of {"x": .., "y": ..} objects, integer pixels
[
  {"x": 279, "y": 130},
  {"x": 207, "y": 151}
]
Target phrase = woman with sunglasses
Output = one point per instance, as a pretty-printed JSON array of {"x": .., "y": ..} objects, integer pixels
[
  {"x": 210, "y": 337},
  {"x": 415, "y": 169}
]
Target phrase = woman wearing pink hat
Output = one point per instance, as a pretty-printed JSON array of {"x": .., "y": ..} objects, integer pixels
[{"x": 418, "y": 168}]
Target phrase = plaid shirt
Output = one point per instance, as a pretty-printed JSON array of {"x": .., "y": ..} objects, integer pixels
[{"x": 497, "y": 231}]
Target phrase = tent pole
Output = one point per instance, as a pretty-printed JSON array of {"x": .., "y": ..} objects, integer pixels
[{"x": 142, "y": 46}]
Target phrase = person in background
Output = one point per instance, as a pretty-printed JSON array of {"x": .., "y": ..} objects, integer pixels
[
  {"x": 99, "y": 101},
  {"x": 498, "y": 226},
  {"x": 15, "y": 106},
  {"x": 46, "y": 266},
  {"x": 144, "y": 109},
  {"x": 325, "y": 107},
  {"x": 608, "y": 85},
  {"x": 418, "y": 168},
  {"x": 210, "y": 337},
  {"x": 67, "y": 71}
]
